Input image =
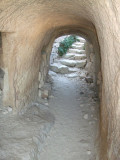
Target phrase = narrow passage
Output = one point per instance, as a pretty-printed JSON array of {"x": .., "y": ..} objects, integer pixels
[{"x": 76, "y": 110}]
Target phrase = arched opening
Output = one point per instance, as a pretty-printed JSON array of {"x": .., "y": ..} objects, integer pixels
[{"x": 91, "y": 47}]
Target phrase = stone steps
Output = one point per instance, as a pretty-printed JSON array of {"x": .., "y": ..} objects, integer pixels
[
  {"x": 80, "y": 57},
  {"x": 73, "y": 60},
  {"x": 69, "y": 63},
  {"x": 76, "y": 51},
  {"x": 78, "y": 43},
  {"x": 81, "y": 64},
  {"x": 74, "y": 63},
  {"x": 68, "y": 55},
  {"x": 74, "y": 56},
  {"x": 71, "y": 50},
  {"x": 81, "y": 39},
  {"x": 80, "y": 47},
  {"x": 58, "y": 68}
]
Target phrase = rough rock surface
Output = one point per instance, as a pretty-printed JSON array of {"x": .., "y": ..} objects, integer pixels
[
  {"x": 74, "y": 56},
  {"x": 54, "y": 68},
  {"x": 22, "y": 136},
  {"x": 80, "y": 64},
  {"x": 45, "y": 94},
  {"x": 68, "y": 56},
  {"x": 58, "y": 68},
  {"x": 74, "y": 51},
  {"x": 69, "y": 63},
  {"x": 80, "y": 57},
  {"x": 63, "y": 69}
]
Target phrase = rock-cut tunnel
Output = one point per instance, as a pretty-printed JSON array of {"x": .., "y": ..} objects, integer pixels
[{"x": 28, "y": 29}]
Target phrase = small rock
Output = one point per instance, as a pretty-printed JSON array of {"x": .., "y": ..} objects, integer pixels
[
  {"x": 54, "y": 68},
  {"x": 89, "y": 152},
  {"x": 63, "y": 69},
  {"x": 89, "y": 80},
  {"x": 10, "y": 109},
  {"x": 52, "y": 73},
  {"x": 45, "y": 94},
  {"x": 86, "y": 116}
]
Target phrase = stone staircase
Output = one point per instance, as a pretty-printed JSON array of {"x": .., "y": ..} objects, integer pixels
[{"x": 75, "y": 57}]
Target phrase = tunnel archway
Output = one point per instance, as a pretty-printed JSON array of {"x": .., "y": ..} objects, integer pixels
[
  {"x": 47, "y": 47},
  {"x": 27, "y": 33},
  {"x": 92, "y": 42},
  {"x": 61, "y": 104}
]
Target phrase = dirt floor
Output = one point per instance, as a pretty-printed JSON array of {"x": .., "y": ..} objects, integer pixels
[
  {"x": 64, "y": 127},
  {"x": 76, "y": 111}
]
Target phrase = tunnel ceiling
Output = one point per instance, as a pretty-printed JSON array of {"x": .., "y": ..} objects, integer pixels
[{"x": 15, "y": 14}]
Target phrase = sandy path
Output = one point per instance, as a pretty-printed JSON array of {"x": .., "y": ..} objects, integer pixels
[{"x": 76, "y": 121}]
